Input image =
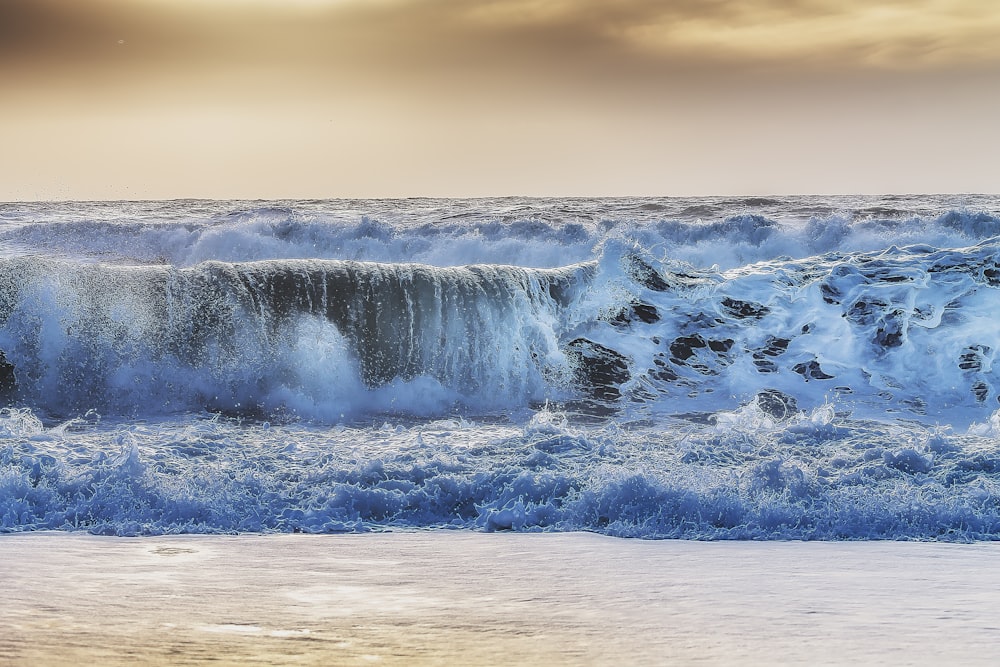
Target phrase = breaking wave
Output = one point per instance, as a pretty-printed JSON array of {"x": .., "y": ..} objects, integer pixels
[
  {"x": 901, "y": 331},
  {"x": 714, "y": 368}
]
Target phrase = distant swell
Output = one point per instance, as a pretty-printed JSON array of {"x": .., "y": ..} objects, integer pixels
[{"x": 725, "y": 232}]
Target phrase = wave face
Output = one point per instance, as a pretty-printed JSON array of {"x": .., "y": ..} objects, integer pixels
[
  {"x": 784, "y": 367},
  {"x": 306, "y": 337}
]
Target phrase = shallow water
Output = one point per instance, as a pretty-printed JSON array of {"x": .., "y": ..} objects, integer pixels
[{"x": 454, "y": 597}]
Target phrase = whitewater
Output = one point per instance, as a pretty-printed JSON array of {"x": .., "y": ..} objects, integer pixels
[{"x": 817, "y": 368}]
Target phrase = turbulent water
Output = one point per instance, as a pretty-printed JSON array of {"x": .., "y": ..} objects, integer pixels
[{"x": 711, "y": 368}]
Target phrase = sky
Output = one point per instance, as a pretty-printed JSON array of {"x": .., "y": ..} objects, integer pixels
[{"x": 264, "y": 99}]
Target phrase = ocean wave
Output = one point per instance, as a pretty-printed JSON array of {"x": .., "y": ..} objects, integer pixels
[
  {"x": 525, "y": 232},
  {"x": 705, "y": 368},
  {"x": 746, "y": 477},
  {"x": 903, "y": 331},
  {"x": 307, "y": 337}
]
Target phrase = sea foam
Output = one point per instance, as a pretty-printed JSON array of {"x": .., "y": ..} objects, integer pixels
[{"x": 713, "y": 368}]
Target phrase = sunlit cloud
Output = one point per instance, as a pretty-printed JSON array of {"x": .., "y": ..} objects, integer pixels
[
  {"x": 525, "y": 38},
  {"x": 905, "y": 35}
]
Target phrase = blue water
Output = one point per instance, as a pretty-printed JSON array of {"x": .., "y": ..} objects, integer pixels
[{"x": 706, "y": 368}]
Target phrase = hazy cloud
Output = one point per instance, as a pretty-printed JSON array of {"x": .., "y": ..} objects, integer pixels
[
  {"x": 900, "y": 35},
  {"x": 397, "y": 36},
  {"x": 905, "y": 34}
]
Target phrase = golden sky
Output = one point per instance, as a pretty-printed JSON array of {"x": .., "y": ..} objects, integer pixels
[{"x": 135, "y": 99}]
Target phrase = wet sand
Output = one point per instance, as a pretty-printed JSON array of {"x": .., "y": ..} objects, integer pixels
[{"x": 462, "y": 598}]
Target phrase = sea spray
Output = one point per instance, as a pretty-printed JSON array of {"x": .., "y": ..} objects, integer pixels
[{"x": 706, "y": 368}]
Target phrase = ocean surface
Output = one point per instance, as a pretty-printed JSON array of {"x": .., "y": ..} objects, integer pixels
[{"x": 707, "y": 368}]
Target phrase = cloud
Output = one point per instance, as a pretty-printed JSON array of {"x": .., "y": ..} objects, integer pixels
[
  {"x": 529, "y": 38},
  {"x": 892, "y": 35},
  {"x": 434, "y": 53}
]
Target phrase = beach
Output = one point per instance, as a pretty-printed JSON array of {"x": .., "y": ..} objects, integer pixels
[{"x": 458, "y": 597}]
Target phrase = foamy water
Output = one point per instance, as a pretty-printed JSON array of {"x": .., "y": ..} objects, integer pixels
[{"x": 788, "y": 367}]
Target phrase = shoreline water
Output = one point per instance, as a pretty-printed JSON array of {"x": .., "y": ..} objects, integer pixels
[{"x": 460, "y": 597}]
